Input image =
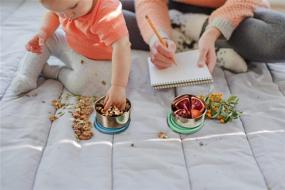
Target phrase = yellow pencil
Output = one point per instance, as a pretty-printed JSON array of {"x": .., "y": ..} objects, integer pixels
[{"x": 155, "y": 31}]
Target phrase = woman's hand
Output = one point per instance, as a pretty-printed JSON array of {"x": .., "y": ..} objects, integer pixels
[
  {"x": 207, "y": 48},
  {"x": 35, "y": 45},
  {"x": 163, "y": 57},
  {"x": 116, "y": 96}
]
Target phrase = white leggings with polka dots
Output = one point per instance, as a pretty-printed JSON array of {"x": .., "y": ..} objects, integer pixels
[{"x": 79, "y": 75}]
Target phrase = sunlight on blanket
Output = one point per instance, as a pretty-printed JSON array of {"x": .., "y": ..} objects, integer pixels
[
  {"x": 39, "y": 148},
  {"x": 98, "y": 143},
  {"x": 266, "y": 131},
  {"x": 214, "y": 136}
]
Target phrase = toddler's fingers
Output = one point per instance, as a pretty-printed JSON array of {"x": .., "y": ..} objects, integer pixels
[
  {"x": 28, "y": 47},
  {"x": 123, "y": 105},
  {"x": 41, "y": 41},
  {"x": 107, "y": 103},
  {"x": 42, "y": 38}
]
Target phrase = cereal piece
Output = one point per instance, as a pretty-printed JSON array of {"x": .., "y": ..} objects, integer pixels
[
  {"x": 81, "y": 123},
  {"x": 86, "y": 135},
  {"x": 53, "y": 118},
  {"x": 56, "y": 104},
  {"x": 162, "y": 135}
]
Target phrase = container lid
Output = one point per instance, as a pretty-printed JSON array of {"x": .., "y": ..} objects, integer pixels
[
  {"x": 179, "y": 129},
  {"x": 110, "y": 131}
]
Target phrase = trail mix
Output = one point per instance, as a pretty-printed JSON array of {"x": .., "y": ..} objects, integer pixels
[
  {"x": 188, "y": 106},
  {"x": 57, "y": 105},
  {"x": 162, "y": 135},
  {"x": 81, "y": 124},
  {"x": 113, "y": 111},
  {"x": 221, "y": 109},
  {"x": 82, "y": 111}
]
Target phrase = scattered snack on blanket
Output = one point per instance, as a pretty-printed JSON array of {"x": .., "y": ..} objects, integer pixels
[
  {"x": 221, "y": 109},
  {"x": 113, "y": 111},
  {"x": 162, "y": 135},
  {"x": 81, "y": 124},
  {"x": 53, "y": 118},
  {"x": 57, "y": 104}
]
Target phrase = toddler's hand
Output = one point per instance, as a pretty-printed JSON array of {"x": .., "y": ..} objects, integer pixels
[
  {"x": 163, "y": 57},
  {"x": 116, "y": 96},
  {"x": 36, "y": 43}
]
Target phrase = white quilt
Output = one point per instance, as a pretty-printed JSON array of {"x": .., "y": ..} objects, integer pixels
[{"x": 246, "y": 154}]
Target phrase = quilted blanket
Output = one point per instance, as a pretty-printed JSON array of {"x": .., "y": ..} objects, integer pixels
[{"x": 246, "y": 154}]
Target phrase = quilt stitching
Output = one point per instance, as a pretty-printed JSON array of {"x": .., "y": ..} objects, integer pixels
[
  {"x": 186, "y": 164},
  {"x": 248, "y": 141},
  {"x": 274, "y": 81},
  {"x": 43, "y": 151}
]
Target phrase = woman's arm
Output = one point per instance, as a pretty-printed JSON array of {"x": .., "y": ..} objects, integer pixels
[
  {"x": 223, "y": 21},
  {"x": 232, "y": 13},
  {"x": 157, "y": 10}
]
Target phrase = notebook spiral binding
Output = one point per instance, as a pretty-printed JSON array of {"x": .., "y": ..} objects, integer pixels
[{"x": 199, "y": 81}]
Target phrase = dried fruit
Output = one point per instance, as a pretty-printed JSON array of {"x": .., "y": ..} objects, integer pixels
[
  {"x": 183, "y": 113},
  {"x": 162, "y": 135},
  {"x": 195, "y": 113},
  {"x": 53, "y": 118},
  {"x": 197, "y": 104},
  {"x": 183, "y": 103},
  {"x": 113, "y": 111},
  {"x": 221, "y": 109},
  {"x": 188, "y": 106},
  {"x": 81, "y": 124},
  {"x": 57, "y": 104}
]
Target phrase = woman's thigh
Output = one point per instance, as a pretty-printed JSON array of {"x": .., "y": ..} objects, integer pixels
[{"x": 261, "y": 38}]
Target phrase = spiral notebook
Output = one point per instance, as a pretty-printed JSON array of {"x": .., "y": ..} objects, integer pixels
[{"x": 185, "y": 73}]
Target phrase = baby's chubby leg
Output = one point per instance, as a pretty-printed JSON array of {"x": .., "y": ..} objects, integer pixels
[
  {"x": 28, "y": 71},
  {"x": 87, "y": 77},
  {"x": 32, "y": 65}
]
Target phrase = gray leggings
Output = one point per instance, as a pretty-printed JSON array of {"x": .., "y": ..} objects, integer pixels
[{"x": 260, "y": 38}]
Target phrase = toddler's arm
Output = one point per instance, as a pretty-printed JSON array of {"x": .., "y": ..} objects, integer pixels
[
  {"x": 49, "y": 25},
  {"x": 121, "y": 63}
]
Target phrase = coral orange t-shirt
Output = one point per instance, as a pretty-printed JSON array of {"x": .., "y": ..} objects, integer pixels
[{"x": 93, "y": 34}]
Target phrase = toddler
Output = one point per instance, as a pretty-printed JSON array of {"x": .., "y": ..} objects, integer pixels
[{"x": 92, "y": 30}]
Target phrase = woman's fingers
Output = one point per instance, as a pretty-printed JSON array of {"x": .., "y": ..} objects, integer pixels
[
  {"x": 160, "y": 60},
  {"x": 168, "y": 51},
  {"x": 211, "y": 59},
  {"x": 202, "y": 58}
]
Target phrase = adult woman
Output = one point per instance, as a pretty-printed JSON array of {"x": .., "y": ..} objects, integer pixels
[{"x": 249, "y": 26}]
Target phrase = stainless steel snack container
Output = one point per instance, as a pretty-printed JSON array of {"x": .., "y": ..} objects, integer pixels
[
  {"x": 113, "y": 121},
  {"x": 188, "y": 122}
]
